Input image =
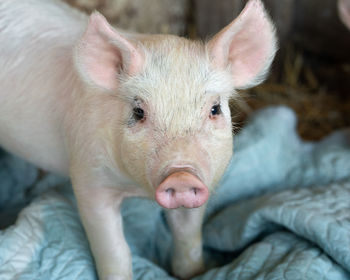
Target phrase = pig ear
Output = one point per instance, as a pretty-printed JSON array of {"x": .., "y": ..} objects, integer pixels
[
  {"x": 344, "y": 11},
  {"x": 102, "y": 53},
  {"x": 246, "y": 46}
]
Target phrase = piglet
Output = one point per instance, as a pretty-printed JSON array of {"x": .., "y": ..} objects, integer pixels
[{"x": 126, "y": 115}]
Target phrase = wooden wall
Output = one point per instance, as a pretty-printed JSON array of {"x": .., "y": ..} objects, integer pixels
[
  {"x": 145, "y": 16},
  {"x": 312, "y": 25}
]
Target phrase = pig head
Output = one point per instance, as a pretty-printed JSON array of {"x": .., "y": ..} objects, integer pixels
[{"x": 174, "y": 116}]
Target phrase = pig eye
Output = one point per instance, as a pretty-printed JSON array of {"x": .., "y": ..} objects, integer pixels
[
  {"x": 215, "y": 110},
  {"x": 138, "y": 113}
]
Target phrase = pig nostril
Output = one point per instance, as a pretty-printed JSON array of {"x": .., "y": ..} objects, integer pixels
[
  {"x": 195, "y": 190},
  {"x": 170, "y": 191}
]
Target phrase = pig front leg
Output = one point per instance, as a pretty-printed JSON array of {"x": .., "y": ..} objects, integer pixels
[
  {"x": 100, "y": 213},
  {"x": 186, "y": 227}
]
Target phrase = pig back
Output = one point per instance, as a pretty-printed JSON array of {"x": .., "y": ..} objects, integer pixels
[{"x": 37, "y": 78}]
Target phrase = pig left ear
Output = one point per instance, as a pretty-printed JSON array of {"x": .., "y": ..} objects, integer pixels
[
  {"x": 103, "y": 53},
  {"x": 246, "y": 46}
]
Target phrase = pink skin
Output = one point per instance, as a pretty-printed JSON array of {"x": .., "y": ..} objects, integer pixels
[{"x": 181, "y": 189}]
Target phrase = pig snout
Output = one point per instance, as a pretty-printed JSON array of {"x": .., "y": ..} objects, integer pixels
[{"x": 181, "y": 188}]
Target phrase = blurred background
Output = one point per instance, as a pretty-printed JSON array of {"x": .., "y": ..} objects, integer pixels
[{"x": 311, "y": 72}]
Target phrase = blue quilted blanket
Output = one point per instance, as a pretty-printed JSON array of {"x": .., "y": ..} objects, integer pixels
[{"x": 282, "y": 212}]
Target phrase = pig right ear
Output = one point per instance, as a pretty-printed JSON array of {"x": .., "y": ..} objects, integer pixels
[
  {"x": 246, "y": 46},
  {"x": 103, "y": 53}
]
